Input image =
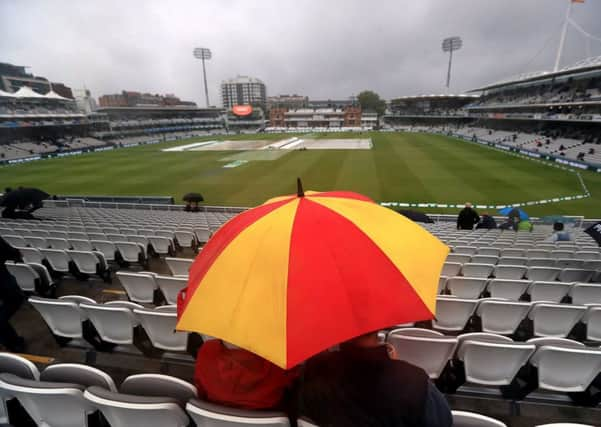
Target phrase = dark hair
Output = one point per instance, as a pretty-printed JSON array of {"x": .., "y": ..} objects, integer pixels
[{"x": 558, "y": 226}]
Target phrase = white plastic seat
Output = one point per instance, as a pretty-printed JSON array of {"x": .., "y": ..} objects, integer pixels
[
  {"x": 161, "y": 245},
  {"x": 131, "y": 252},
  {"x": 587, "y": 255},
  {"x": 25, "y": 275},
  {"x": 541, "y": 262},
  {"x": 510, "y": 272},
  {"x": 489, "y": 251},
  {"x": 126, "y": 410},
  {"x": 566, "y": 369},
  {"x": 140, "y": 287},
  {"x": 76, "y": 235},
  {"x": 493, "y": 364},
  {"x": 452, "y": 314},
  {"x": 561, "y": 253},
  {"x": 583, "y": 293},
  {"x": 576, "y": 275},
  {"x": 170, "y": 287},
  {"x": 62, "y": 317},
  {"x": 416, "y": 332},
  {"x": 430, "y": 354},
  {"x": 180, "y": 266},
  {"x": 15, "y": 241},
  {"x": 484, "y": 259},
  {"x": 569, "y": 263},
  {"x": 458, "y": 258},
  {"x": 160, "y": 327},
  {"x": 108, "y": 249},
  {"x": 471, "y": 419},
  {"x": 36, "y": 242},
  {"x": 57, "y": 259},
  {"x": 185, "y": 239},
  {"x": 114, "y": 324},
  {"x": 97, "y": 237},
  {"x": 477, "y": 270},
  {"x": 442, "y": 284},
  {"x": 81, "y": 245},
  {"x": 158, "y": 385},
  {"x": 466, "y": 287},
  {"x": 512, "y": 252},
  {"x": 57, "y": 243},
  {"x": 547, "y": 274},
  {"x": 202, "y": 235},
  {"x": 466, "y": 250},
  {"x": 87, "y": 262},
  {"x": 502, "y": 317},
  {"x": 565, "y": 425},
  {"x": 77, "y": 373},
  {"x": 508, "y": 289},
  {"x": 17, "y": 365},
  {"x": 555, "y": 320},
  {"x": 592, "y": 319},
  {"x": 507, "y": 260},
  {"x": 47, "y": 403},
  {"x": 56, "y": 233},
  {"x": 555, "y": 342},
  {"x": 206, "y": 414},
  {"x": 549, "y": 291}
]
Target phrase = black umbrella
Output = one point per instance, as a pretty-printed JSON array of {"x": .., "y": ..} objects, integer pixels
[
  {"x": 193, "y": 197},
  {"x": 416, "y": 216},
  {"x": 23, "y": 198},
  {"x": 595, "y": 232}
]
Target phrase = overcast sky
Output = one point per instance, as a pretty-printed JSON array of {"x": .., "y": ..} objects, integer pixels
[{"x": 320, "y": 48}]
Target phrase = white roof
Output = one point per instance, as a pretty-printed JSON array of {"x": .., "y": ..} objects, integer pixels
[
  {"x": 26, "y": 92},
  {"x": 53, "y": 95},
  {"x": 6, "y": 94}
]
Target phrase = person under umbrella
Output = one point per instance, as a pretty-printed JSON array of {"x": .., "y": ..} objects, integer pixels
[
  {"x": 192, "y": 200},
  {"x": 302, "y": 273},
  {"x": 21, "y": 203}
]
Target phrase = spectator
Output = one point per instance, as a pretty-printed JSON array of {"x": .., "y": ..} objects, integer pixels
[
  {"x": 363, "y": 385},
  {"x": 559, "y": 235},
  {"x": 487, "y": 222},
  {"x": 524, "y": 225},
  {"x": 231, "y": 376},
  {"x": 467, "y": 218},
  {"x": 11, "y": 298},
  {"x": 591, "y": 150}
]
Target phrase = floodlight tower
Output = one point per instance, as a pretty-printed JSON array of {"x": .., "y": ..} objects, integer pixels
[
  {"x": 203, "y": 54},
  {"x": 451, "y": 44}
]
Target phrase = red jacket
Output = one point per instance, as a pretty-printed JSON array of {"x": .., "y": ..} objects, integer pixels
[{"x": 239, "y": 378}]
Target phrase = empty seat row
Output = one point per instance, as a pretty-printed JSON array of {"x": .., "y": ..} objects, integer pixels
[
  {"x": 141, "y": 287},
  {"x": 534, "y": 252},
  {"x": 516, "y": 272}
]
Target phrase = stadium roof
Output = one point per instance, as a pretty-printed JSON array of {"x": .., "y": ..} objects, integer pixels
[
  {"x": 588, "y": 64},
  {"x": 441, "y": 96},
  {"x": 53, "y": 95},
  {"x": 27, "y": 92}
]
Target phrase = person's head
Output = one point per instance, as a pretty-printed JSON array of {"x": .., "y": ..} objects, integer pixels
[
  {"x": 7, "y": 190},
  {"x": 468, "y": 205},
  {"x": 558, "y": 226}
]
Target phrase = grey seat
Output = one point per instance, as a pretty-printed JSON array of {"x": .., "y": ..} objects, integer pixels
[
  {"x": 161, "y": 245},
  {"x": 510, "y": 272},
  {"x": 31, "y": 255},
  {"x": 186, "y": 239},
  {"x": 36, "y": 242},
  {"x": 170, "y": 287},
  {"x": 108, "y": 249},
  {"x": 179, "y": 266},
  {"x": 158, "y": 385},
  {"x": 114, "y": 324},
  {"x": 466, "y": 287},
  {"x": 48, "y": 403},
  {"x": 206, "y": 414},
  {"x": 507, "y": 260},
  {"x": 543, "y": 273},
  {"x": 583, "y": 293},
  {"x": 126, "y": 410},
  {"x": 63, "y": 317},
  {"x": 576, "y": 275},
  {"x": 57, "y": 259},
  {"x": 131, "y": 252},
  {"x": 140, "y": 287},
  {"x": 202, "y": 235},
  {"x": 477, "y": 270},
  {"x": 88, "y": 262},
  {"x": 484, "y": 259},
  {"x": 58, "y": 243},
  {"x": 508, "y": 289},
  {"x": 17, "y": 365},
  {"x": 429, "y": 353},
  {"x": 27, "y": 278},
  {"x": 452, "y": 314},
  {"x": 77, "y": 373},
  {"x": 81, "y": 245},
  {"x": 549, "y": 291},
  {"x": 160, "y": 328},
  {"x": 471, "y": 419},
  {"x": 555, "y": 320},
  {"x": 458, "y": 258},
  {"x": 502, "y": 317},
  {"x": 541, "y": 262}
]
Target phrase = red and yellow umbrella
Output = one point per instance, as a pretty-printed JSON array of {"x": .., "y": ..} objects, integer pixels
[{"x": 299, "y": 274}]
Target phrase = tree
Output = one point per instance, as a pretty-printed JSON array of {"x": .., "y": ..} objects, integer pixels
[{"x": 370, "y": 100}]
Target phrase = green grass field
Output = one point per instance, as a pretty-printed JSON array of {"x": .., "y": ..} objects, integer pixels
[{"x": 401, "y": 167}]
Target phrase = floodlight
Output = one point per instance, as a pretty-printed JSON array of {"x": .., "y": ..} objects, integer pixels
[
  {"x": 203, "y": 54},
  {"x": 451, "y": 44}
]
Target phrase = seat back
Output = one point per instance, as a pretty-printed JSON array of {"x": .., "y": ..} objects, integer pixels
[
  {"x": 555, "y": 320},
  {"x": 477, "y": 270},
  {"x": 585, "y": 294},
  {"x": 452, "y": 314},
  {"x": 508, "y": 289},
  {"x": 126, "y": 410},
  {"x": 31, "y": 255},
  {"x": 502, "y": 317},
  {"x": 25, "y": 276},
  {"x": 86, "y": 262},
  {"x": 430, "y": 354},
  {"x": 81, "y": 245},
  {"x": 206, "y": 414},
  {"x": 49, "y": 403},
  {"x": 576, "y": 275},
  {"x": 62, "y": 317},
  {"x": 160, "y": 327},
  {"x": 107, "y": 248},
  {"x": 58, "y": 259},
  {"x": 114, "y": 324},
  {"x": 471, "y": 419},
  {"x": 179, "y": 266},
  {"x": 77, "y": 373},
  {"x": 466, "y": 287},
  {"x": 567, "y": 369},
  {"x": 510, "y": 272},
  {"x": 58, "y": 243},
  {"x": 170, "y": 287},
  {"x": 547, "y": 274},
  {"x": 19, "y": 366},
  {"x": 549, "y": 291},
  {"x": 159, "y": 386},
  {"x": 493, "y": 364},
  {"x": 139, "y": 286}
]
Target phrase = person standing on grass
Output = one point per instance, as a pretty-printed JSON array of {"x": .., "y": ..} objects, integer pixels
[{"x": 467, "y": 218}]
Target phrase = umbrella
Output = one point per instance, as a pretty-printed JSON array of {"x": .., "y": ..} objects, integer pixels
[
  {"x": 514, "y": 212},
  {"x": 193, "y": 197},
  {"x": 299, "y": 274},
  {"x": 23, "y": 197},
  {"x": 416, "y": 216}
]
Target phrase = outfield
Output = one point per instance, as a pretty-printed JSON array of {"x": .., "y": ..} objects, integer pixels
[{"x": 400, "y": 167}]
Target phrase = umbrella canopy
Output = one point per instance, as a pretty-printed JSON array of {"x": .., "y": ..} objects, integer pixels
[
  {"x": 514, "y": 212},
  {"x": 193, "y": 197},
  {"x": 595, "y": 232},
  {"x": 299, "y": 274},
  {"x": 23, "y": 197},
  {"x": 416, "y": 216}
]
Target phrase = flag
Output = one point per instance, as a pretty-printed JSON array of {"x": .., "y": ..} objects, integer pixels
[{"x": 595, "y": 232}]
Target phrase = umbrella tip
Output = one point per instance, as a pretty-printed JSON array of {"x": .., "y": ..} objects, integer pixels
[{"x": 299, "y": 188}]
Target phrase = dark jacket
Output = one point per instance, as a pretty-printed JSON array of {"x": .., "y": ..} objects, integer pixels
[
  {"x": 467, "y": 218},
  {"x": 363, "y": 387},
  {"x": 7, "y": 253},
  {"x": 487, "y": 222}
]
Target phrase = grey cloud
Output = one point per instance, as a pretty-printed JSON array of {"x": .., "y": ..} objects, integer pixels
[{"x": 324, "y": 49}]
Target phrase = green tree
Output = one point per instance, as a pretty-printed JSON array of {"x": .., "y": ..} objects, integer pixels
[{"x": 370, "y": 100}]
